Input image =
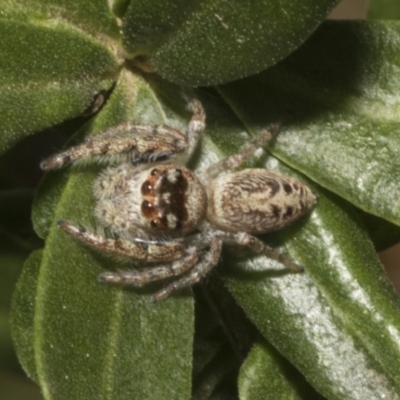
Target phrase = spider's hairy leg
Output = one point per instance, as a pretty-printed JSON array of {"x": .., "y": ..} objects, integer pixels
[
  {"x": 140, "y": 278},
  {"x": 199, "y": 271},
  {"x": 244, "y": 153},
  {"x": 149, "y": 251},
  {"x": 129, "y": 141},
  {"x": 259, "y": 247}
]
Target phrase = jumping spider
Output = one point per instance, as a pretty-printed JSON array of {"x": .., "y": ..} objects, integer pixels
[{"x": 162, "y": 213}]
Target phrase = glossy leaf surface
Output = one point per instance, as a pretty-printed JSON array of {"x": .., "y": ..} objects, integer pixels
[
  {"x": 328, "y": 322},
  {"x": 340, "y": 96},
  {"x": 311, "y": 323},
  {"x": 207, "y": 42},
  {"x": 267, "y": 375}
]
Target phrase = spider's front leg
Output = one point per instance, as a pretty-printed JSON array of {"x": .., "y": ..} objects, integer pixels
[
  {"x": 123, "y": 143},
  {"x": 131, "y": 142},
  {"x": 139, "y": 249}
]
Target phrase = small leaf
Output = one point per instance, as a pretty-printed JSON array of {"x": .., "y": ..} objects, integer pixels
[
  {"x": 208, "y": 42},
  {"x": 93, "y": 340},
  {"x": 48, "y": 72},
  {"x": 341, "y": 91}
]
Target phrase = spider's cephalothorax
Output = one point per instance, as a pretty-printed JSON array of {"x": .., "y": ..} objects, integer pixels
[
  {"x": 151, "y": 211},
  {"x": 165, "y": 199}
]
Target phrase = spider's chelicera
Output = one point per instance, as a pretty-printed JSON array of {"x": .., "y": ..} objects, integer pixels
[{"x": 162, "y": 213}]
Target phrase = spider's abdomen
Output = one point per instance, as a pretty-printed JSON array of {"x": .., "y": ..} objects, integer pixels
[
  {"x": 256, "y": 201},
  {"x": 173, "y": 199}
]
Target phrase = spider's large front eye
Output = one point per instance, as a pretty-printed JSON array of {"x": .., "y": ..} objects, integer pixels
[
  {"x": 147, "y": 209},
  {"x": 146, "y": 188}
]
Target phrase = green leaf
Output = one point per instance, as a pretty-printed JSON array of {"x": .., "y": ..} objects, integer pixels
[
  {"x": 91, "y": 340},
  {"x": 327, "y": 321},
  {"x": 341, "y": 90},
  {"x": 384, "y": 9},
  {"x": 91, "y": 16},
  {"x": 23, "y": 315},
  {"x": 49, "y": 71},
  {"x": 208, "y": 42},
  {"x": 10, "y": 267},
  {"x": 338, "y": 323},
  {"x": 342, "y": 263},
  {"x": 267, "y": 375}
]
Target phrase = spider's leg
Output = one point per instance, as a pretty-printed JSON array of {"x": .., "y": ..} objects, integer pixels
[
  {"x": 243, "y": 154},
  {"x": 124, "y": 142},
  {"x": 140, "y": 278},
  {"x": 259, "y": 247},
  {"x": 209, "y": 261},
  {"x": 149, "y": 251}
]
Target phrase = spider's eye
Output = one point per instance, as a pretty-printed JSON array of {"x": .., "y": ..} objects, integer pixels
[
  {"x": 147, "y": 208},
  {"x": 146, "y": 188},
  {"x": 154, "y": 172},
  {"x": 153, "y": 223}
]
